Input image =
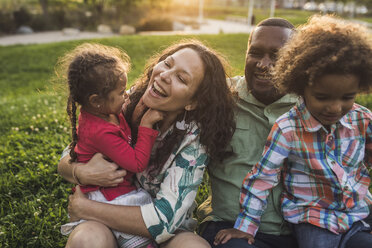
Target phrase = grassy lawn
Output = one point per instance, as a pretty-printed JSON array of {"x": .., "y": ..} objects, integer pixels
[{"x": 34, "y": 130}]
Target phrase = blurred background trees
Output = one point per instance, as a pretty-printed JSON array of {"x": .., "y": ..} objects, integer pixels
[
  {"x": 145, "y": 15},
  {"x": 43, "y": 15}
]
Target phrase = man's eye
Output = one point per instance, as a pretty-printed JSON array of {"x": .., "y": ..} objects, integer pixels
[{"x": 255, "y": 54}]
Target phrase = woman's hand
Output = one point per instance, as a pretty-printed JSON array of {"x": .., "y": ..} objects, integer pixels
[
  {"x": 99, "y": 171},
  {"x": 75, "y": 204}
]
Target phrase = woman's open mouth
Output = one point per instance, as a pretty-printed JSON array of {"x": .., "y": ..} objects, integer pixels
[{"x": 158, "y": 90}]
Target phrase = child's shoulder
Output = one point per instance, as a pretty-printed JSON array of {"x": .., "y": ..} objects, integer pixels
[
  {"x": 289, "y": 119},
  {"x": 360, "y": 111},
  {"x": 358, "y": 114}
]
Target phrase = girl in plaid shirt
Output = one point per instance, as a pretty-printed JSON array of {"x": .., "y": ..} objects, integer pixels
[{"x": 320, "y": 148}]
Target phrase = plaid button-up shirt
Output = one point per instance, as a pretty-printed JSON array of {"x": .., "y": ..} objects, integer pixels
[{"x": 323, "y": 172}]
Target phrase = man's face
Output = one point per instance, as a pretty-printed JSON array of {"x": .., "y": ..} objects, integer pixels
[{"x": 261, "y": 57}]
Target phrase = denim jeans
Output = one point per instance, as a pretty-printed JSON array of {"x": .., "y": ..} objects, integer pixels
[
  {"x": 262, "y": 240},
  {"x": 310, "y": 236}
]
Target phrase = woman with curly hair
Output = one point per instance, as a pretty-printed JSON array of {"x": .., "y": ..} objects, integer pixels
[
  {"x": 322, "y": 146},
  {"x": 187, "y": 83}
]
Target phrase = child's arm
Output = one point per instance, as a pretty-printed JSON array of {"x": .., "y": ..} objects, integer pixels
[
  {"x": 225, "y": 235},
  {"x": 263, "y": 177},
  {"x": 118, "y": 150}
]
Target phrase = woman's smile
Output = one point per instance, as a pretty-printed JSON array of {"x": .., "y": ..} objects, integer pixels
[{"x": 157, "y": 90}]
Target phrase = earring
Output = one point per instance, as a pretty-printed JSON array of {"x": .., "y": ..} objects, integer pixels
[{"x": 181, "y": 125}]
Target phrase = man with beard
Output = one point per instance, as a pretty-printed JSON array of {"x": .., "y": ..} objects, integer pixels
[{"x": 258, "y": 106}]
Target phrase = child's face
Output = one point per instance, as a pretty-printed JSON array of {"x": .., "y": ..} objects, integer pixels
[
  {"x": 116, "y": 98},
  {"x": 331, "y": 96}
]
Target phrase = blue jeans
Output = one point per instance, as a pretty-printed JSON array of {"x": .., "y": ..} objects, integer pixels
[
  {"x": 310, "y": 236},
  {"x": 262, "y": 240}
]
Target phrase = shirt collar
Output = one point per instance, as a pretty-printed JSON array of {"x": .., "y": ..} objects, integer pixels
[{"x": 311, "y": 124}]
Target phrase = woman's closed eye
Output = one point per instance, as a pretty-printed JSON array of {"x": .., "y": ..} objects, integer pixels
[
  {"x": 181, "y": 79},
  {"x": 166, "y": 63}
]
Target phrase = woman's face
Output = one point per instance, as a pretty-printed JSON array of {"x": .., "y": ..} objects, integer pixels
[{"x": 174, "y": 82}]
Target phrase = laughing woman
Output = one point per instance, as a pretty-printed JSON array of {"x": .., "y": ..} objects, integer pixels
[{"x": 187, "y": 82}]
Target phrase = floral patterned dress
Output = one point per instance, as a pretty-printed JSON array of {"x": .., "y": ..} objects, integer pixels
[{"x": 174, "y": 189}]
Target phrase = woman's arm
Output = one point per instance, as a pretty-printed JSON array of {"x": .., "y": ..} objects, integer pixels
[
  {"x": 127, "y": 219},
  {"x": 98, "y": 171}
]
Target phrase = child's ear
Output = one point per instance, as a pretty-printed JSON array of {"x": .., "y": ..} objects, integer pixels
[{"x": 95, "y": 101}]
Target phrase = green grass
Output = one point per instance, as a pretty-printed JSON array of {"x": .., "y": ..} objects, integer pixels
[{"x": 34, "y": 130}]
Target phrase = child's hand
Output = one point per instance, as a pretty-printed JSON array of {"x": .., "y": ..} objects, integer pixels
[
  {"x": 151, "y": 117},
  {"x": 225, "y": 235}
]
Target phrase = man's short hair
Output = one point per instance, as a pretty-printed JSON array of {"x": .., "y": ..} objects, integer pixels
[
  {"x": 276, "y": 22},
  {"x": 272, "y": 22}
]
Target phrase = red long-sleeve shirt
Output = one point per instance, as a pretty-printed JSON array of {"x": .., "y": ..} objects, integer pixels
[{"x": 97, "y": 135}]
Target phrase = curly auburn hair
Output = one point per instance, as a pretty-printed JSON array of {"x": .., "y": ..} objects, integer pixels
[
  {"x": 324, "y": 45},
  {"x": 215, "y": 103},
  {"x": 90, "y": 69}
]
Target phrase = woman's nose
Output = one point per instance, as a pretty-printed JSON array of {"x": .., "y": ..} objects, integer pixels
[{"x": 165, "y": 76}]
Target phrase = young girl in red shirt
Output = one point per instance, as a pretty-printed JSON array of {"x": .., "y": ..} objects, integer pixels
[{"x": 97, "y": 78}]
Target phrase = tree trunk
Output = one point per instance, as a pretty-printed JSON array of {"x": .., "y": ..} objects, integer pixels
[{"x": 44, "y": 7}]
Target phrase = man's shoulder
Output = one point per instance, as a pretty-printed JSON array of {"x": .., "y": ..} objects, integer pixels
[{"x": 235, "y": 82}]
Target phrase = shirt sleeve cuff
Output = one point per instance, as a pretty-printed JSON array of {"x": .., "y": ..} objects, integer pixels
[
  {"x": 243, "y": 224},
  {"x": 153, "y": 223}
]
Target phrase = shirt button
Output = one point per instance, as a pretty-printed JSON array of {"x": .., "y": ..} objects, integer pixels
[
  {"x": 346, "y": 188},
  {"x": 330, "y": 138}
]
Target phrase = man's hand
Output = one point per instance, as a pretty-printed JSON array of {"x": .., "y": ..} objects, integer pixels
[
  {"x": 75, "y": 204},
  {"x": 225, "y": 235},
  {"x": 99, "y": 171}
]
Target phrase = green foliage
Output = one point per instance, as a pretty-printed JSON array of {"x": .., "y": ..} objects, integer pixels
[
  {"x": 155, "y": 24},
  {"x": 34, "y": 130}
]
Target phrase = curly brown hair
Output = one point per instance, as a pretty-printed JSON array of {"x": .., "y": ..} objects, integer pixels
[
  {"x": 214, "y": 112},
  {"x": 90, "y": 69},
  {"x": 324, "y": 45}
]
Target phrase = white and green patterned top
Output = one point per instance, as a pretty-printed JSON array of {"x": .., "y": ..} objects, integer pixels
[{"x": 174, "y": 188}]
